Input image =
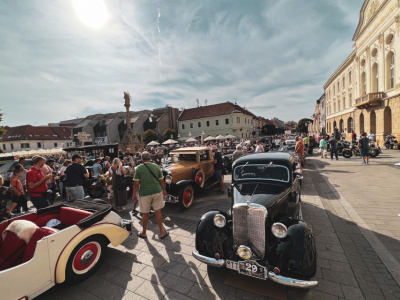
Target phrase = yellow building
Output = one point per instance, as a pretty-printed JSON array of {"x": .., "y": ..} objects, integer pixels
[{"x": 363, "y": 94}]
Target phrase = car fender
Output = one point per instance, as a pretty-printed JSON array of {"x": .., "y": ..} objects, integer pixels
[
  {"x": 115, "y": 234},
  {"x": 296, "y": 255},
  {"x": 185, "y": 182},
  {"x": 210, "y": 239}
]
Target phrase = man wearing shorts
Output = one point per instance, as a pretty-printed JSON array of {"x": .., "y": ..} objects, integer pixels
[
  {"x": 363, "y": 145},
  {"x": 218, "y": 165},
  {"x": 149, "y": 178}
]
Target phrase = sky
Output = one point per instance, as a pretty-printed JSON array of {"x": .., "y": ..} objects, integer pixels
[{"x": 66, "y": 59}]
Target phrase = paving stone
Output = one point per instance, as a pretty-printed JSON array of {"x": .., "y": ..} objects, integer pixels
[
  {"x": 201, "y": 292},
  {"x": 103, "y": 289},
  {"x": 173, "y": 268},
  {"x": 150, "y": 290},
  {"x": 329, "y": 287},
  {"x": 132, "y": 296},
  {"x": 341, "y": 267},
  {"x": 351, "y": 292},
  {"x": 176, "y": 283},
  {"x": 150, "y": 273},
  {"x": 194, "y": 274}
]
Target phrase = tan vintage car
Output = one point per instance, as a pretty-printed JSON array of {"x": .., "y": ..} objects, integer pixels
[{"x": 191, "y": 170}]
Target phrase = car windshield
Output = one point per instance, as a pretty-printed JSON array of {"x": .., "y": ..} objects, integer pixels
[
  {"x": 261, "y": 172},
  {"x": 185, "y": 157},
  {"x": 250, "y": 188}
]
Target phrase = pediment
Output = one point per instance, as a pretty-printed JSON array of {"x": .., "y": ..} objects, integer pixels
[{"x": 369, "y": 9}]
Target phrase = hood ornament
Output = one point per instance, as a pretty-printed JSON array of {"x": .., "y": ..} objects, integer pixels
[{"x": 248, "y": 199}]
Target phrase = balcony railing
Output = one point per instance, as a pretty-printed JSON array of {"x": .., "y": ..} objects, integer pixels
[{"x": 371, "y": 99}]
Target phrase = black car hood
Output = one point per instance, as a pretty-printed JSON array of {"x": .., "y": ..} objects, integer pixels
[{"x": 265, "y": 199}]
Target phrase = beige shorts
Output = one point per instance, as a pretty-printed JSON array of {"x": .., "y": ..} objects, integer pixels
[{"x": 155, "y": 200}]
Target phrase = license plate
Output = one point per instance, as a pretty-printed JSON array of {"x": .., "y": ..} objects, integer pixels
[{"x": 249, "y": 268}]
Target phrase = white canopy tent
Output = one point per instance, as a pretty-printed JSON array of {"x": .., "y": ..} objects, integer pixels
[
  {"x": 170, "y": 141},
  {"x": 153, "y": 143},
  {"x": 210, "y": 138}
]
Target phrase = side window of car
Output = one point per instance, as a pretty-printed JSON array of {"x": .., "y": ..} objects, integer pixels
[
  {"x": 11, "y": 169},
  {"x": 203, "y": 156}
]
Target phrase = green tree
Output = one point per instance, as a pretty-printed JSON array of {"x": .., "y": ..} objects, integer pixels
[
  {"x": 149, "y": 135},
  {"x": 301, "y": 125},
  {"x": 139, "y": 136},
  {"x": 168, "y": 132},
  {"x": 268, "y": 129},
  {"x": 2, "y": 129},
  {"x": 280, "y": 130}
]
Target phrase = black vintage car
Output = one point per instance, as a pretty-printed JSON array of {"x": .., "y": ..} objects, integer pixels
[{"x": 263, "y": 234}]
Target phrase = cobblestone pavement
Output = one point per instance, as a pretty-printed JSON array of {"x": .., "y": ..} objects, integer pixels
[{"x": 353, "y": 209}]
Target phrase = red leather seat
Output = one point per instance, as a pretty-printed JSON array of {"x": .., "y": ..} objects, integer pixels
[
  {"x": 11, "y": 251},
  {"x": 37, "y": 236},
  {"x": 71, "y": 216}
]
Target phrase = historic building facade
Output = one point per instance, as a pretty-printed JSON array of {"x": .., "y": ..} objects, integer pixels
[{"x": 363, "y": 94}]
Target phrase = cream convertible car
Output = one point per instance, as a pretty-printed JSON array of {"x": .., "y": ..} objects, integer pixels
[{"x": 59, "y": 243}]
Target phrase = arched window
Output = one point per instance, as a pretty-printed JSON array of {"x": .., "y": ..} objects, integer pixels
[
  {"x": 361, "y": 122},
  {"x": 387, "y": 120},
  {"x": 364, "y": 85},
  {"x": 350, "y": 125},
  {"x": 375, "y": 79},
  {"x": 341, "y": 125},
  {"x": 390, "y": 70}
]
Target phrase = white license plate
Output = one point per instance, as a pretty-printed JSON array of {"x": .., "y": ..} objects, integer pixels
[{"x": 249, "y": 268}]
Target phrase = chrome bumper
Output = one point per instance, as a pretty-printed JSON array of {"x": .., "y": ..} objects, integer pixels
[
  {"x": 208, "y": 260},
  {"x": 302, "y": 284}
]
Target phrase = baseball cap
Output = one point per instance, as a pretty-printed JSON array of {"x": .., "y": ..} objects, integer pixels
[{"x": 75, "y": 156}]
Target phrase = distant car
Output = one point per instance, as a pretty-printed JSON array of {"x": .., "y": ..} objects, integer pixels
[
  {"x": 290, "y": 142},
  {"x": 263, "y": 235},
  {"x": 227, "y": 157},
  {"x": 34, "y": 257},
  {"x": 7, "y": 169},
  {"x": 191, "y": 170},
  {"x": 288, "y": 148}
]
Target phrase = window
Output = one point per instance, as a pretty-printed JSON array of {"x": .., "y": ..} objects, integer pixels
[
  {"x": 350, "y": 77},
  {"x": 55, "y": 144},
  {"x": 12, "y": 146},
  {"x": 338, "y": 86},
  {"x": 376, "y": 84},
  {"x": 199, "y": 124},
  {"x": 183, "y": 126},
  {"x": 208, "y": 123},
  {"x": 226, "y": 121},
  {"x": 333, "y": 90},
  {"x": 344, "y": 102},
  {"x": 391, "y": 71},
  {"x": 350, "y": 125},
  {"x": 39, "y": 145},
  {"x": 216, "y": 122},
  {"x": 191, "y": 125},
  {"x": 24, "y": 145},
  {"x": 344, "y": 83},
  {"x": 237, "y": 119},
  {"x": 364, "y": 86},
  {"x": 350, "y": 100},
  {"x": 4, "y": 146}
]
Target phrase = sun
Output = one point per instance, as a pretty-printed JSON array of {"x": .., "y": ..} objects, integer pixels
[{"x": 92, "y": 13}]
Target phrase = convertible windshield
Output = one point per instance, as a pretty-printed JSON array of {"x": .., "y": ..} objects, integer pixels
[
  {"x": 189, "y": 156},
  {"x": 261, "y": 172}
]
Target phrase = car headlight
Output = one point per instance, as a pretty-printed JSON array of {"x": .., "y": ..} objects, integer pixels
[
  {"x": 219, "y": 220},
  {"x": 244, "y": 252},
  {"x": 168, "y": 179},
  {"x": 279, "y": 230}
]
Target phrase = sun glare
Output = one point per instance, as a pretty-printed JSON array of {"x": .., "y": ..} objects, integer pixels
[{"x": 92, "y": 13}]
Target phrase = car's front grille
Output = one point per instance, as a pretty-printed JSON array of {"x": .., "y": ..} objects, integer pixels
[{"x": 249, "y": 227}]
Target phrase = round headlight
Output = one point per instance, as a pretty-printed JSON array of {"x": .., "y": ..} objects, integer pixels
[
  {"x": 168, "y": 179},
  {"x": 219, "y": 220},
  {"x": 279, "y": 230},
  {"x": 244, "y": 252}
]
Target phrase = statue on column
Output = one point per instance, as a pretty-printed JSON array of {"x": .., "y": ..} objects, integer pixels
[{"x": 129, "y": 139}]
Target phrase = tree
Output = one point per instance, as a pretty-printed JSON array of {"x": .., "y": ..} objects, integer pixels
[
  {"x": 2, "y": 129},
  {"x": 168, "y": 132},
  {"x": 139, "y": 136},
  {"x": 280, "y": 130},
  {"x": 301, "y": 125},
  {"x": 149, "y": 135},
  {"x": 268, "y": 129}
]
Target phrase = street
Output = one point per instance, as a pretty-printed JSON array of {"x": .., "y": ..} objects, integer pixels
[{"x": 354, "y": 211}]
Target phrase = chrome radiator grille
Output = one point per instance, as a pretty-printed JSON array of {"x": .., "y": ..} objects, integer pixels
[{"x": 249, "y": 227}]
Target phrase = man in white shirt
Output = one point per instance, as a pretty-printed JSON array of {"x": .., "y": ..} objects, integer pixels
[
  {"x": 371, "y": 136},
  {"x": 259, "y": 148},
  {"x": 277, "y": 143}
]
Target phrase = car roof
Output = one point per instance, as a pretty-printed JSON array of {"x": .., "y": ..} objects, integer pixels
[
  {"x": 186, "y": 149},
  {"x": 280, "y": 158}
]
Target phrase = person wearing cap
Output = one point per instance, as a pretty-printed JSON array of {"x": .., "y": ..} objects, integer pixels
[
  {"x": 363, "y": 145},
  {"x": 218, "y": 165},
  {"x": 128, "y": 160},
  {"x": 75, "y": 177}
]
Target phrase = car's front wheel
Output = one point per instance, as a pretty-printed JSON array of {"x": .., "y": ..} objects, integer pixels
[
  {"x": 347, "y": 153},
  {"x": 186, "y": 196},
  {"x": 86, "y": 258}
]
